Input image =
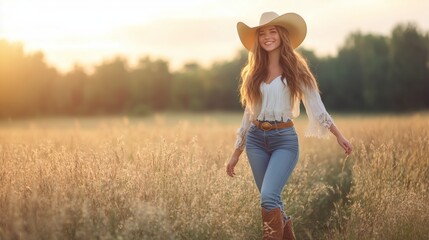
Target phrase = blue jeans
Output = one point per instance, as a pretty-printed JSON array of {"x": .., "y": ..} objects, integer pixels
[{"x": 272, "y": 156}]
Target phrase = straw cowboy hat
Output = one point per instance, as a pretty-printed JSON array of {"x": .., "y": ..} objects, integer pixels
[{"x": 293, "y": 22}]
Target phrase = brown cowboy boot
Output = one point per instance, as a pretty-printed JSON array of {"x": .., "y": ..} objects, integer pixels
[
  {"x": 272, "y": 222},
  {"x": 288, "y": 233}
]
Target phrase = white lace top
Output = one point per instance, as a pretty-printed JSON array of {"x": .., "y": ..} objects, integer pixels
[{"x": 276, "y": 106}]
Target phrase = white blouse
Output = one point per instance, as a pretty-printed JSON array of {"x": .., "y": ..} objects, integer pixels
[{"x": 276, "y": 106}]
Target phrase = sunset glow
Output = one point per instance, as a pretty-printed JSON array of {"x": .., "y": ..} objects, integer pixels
[{"x": 181, "y": 31}]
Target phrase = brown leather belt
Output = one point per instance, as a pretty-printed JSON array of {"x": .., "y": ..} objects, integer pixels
[{"x": 267, "y": 126}]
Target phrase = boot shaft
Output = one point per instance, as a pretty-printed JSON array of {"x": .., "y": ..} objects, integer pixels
[{"x": 272, "y": 223}]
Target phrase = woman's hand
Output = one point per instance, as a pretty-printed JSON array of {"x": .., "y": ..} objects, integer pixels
[
  {"x": 345, "y": 144},
  {"x": 342, "y": 141},
  {"x": 232, "y": 162}
]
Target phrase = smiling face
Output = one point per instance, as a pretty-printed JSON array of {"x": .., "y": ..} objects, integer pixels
[{"x": 269, "y": 39}]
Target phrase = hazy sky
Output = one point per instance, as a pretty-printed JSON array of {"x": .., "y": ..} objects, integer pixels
[{"x": 179, "y": 31}]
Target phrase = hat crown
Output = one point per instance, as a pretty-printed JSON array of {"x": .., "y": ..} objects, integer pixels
[{"x": 267, "y": 17}]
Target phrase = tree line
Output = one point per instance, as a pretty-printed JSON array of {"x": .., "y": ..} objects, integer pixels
[{"x": 369, "y": 73}]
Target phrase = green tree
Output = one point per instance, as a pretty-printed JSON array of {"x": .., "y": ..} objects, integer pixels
[
  {"x": 189, "y": 91},
  {"x": 150, "y": 84},
  {"x": 108, "y": 88},
  {"x": 224, "y": 80},
  {"x": 69, "y": 92},
  {"x": 364, "y": 64},
  {"x": 409, "y": 69},
  {"x": 25, "y": 81}
]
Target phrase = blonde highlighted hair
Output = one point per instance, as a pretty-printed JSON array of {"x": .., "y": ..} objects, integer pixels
[{"x": 294, "y": 69}]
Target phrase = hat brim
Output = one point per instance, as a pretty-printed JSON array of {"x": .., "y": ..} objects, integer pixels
[{"x": 293, "y": 22}]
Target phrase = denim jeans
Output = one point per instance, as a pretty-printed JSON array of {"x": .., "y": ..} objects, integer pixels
[{"x": 272, "y": 156}]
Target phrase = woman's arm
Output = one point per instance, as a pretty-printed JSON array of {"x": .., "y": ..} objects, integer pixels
[
  {"x": 240, "y": 142},
  {"x": 320, "y": 120},
  {"x": 342, "y": 141},
  {"x": 233, "y": 161}
]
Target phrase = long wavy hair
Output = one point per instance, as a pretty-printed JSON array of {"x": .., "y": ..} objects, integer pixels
[{"x": 294, "y": 68}]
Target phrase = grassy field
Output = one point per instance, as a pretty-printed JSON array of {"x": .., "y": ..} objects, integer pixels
[{"x": 163, "y": 177}]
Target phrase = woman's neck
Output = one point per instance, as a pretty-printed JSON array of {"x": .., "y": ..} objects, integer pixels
[{"x": 273, "y": 62}]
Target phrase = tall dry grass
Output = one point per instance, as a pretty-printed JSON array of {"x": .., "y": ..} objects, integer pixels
[
  {"x": 164, "y": 178},
  {"x": 390, "y": 194}
]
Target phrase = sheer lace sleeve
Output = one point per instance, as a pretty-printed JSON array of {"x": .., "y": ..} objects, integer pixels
[
  {"x": 319, "y": 120},
  {"x": 242, "y": 131}
]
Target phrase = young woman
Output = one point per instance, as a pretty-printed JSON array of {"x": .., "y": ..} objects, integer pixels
[{"x": 274, "y": 81}]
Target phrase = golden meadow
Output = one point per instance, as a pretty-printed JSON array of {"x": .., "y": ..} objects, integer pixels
[{"x": 162, "y": 177}]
